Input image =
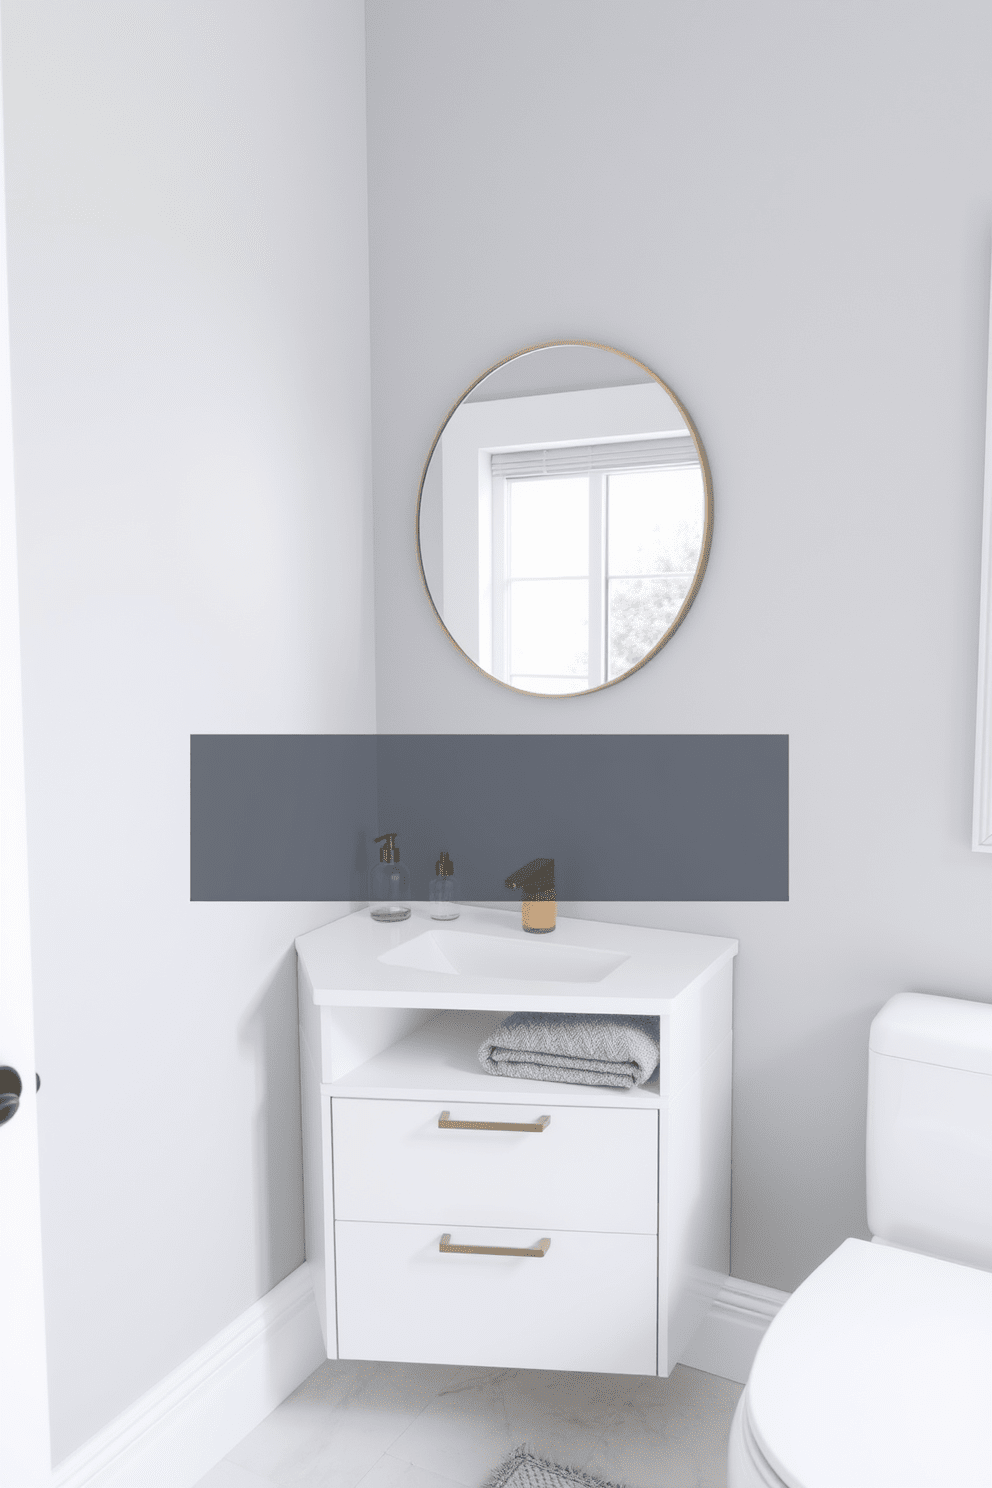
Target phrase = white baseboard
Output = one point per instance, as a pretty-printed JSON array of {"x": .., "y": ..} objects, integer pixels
[
  {"x": 728, "y": 1336},
  {"x": 175, "y": 1434}
]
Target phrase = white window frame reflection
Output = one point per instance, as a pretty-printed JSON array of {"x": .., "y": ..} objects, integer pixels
[
  {"x": 597, "y": 462},
  {"x": 504, "y": 579}
]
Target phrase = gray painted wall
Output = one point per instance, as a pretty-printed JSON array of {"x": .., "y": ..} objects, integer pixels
[
  {"x": 784, "y": 210},
  {"x": 189, "y": 330}
]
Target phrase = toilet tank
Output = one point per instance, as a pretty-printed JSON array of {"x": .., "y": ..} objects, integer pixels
[{"x": 929, "y": 1146}]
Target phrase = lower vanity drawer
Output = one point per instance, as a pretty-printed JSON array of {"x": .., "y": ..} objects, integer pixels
[
  {"x": 588, "y": 1303},
  {"x": 584, "y": 1168}
]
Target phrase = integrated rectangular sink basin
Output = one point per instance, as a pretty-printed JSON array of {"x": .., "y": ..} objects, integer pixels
[{"x": 463, "y": 953}]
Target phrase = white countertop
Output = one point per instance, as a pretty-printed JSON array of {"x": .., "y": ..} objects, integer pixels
[{"x": 342, "y": 963}]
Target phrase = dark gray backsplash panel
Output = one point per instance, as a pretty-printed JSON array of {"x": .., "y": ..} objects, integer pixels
[
  {"x": 625, "y": 816},
  {"x": 280, "y": 816}
]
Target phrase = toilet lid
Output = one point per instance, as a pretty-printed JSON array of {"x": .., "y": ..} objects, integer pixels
[{"x": 877, "y": 1373}]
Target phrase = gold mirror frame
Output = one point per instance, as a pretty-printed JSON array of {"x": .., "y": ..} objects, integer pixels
[{"x": 707, "y": 529}]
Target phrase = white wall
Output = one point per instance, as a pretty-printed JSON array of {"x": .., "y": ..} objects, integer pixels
[
  {"x": 189, "y": 323},
  {"x": 785, "y": 211}
]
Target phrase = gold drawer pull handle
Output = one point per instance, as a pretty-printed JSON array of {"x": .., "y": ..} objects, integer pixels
[
  {"x": 541, "y": 1123},
  {"x": 537, "y": 1251}
]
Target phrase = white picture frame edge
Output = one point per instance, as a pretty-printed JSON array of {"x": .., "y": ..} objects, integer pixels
[{"x": 981, "y": 834}]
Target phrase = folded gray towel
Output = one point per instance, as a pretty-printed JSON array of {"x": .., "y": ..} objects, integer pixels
[{"x": 575, "y": 1048}]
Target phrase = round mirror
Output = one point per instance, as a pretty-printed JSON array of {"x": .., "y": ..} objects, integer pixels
[{"x": 564, "y": 519}]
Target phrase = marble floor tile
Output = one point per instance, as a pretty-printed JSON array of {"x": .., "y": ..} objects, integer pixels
[
  {"x": 436, "y": 1426},
  {"x": 391, "y": 1472},
  {"x": 628, "y": 1429},
  {"x": 228, "y": 1474},
  {"x": 339, "y": 1422}
]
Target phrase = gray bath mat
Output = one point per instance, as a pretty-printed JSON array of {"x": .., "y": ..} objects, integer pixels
[{"x": 523, "y": 1470}]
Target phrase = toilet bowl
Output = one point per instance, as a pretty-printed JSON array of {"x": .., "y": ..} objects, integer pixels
[{"x": 877, "y": 1372}]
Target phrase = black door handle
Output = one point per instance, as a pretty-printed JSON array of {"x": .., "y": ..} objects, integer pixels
[{"x": 10, "y": 1092}]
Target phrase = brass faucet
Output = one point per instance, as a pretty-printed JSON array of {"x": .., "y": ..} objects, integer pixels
[{"x": 537, "y": 880}]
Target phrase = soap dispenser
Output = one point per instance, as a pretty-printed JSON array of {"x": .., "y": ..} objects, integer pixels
[
  {"x": 389, "y": 886},
  {"x": 442, "y": 890}
]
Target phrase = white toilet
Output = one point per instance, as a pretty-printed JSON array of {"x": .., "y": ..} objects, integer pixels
[{"x": 877, "y": 1372}]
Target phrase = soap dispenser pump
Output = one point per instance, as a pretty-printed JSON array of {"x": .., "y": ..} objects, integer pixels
[
  {"x": 389, "y": 883},
  {"x": 442, "y": 890}
]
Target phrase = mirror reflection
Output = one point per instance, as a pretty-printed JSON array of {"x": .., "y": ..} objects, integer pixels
[{"x": 564, "y": 519}]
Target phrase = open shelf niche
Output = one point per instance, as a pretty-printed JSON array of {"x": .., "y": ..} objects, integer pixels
[{"x": 433, "y": 1054}]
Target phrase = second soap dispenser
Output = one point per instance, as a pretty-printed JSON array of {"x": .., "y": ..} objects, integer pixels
[{"x": 442, "y": 890}]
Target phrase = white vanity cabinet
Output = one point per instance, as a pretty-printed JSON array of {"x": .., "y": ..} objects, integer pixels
[{"x": 457, "y": 1217}]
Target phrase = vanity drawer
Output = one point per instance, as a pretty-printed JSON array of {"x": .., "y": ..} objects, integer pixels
[
  {"x": 589, "y": 1303},
  {"x": 589, "y": 1168}
]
